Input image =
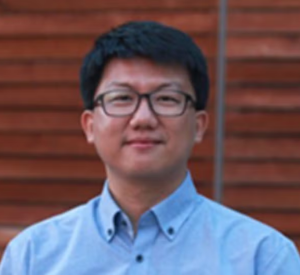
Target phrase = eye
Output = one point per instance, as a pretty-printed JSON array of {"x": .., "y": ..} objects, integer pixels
[
  {"x": 119, "y": 97},
  {"x": 168, "y": 98}
]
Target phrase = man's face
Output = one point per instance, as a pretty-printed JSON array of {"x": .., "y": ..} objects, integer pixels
[{"x": 144, "y": 145}]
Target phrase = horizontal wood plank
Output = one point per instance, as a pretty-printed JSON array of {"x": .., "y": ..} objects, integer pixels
[
  {"x": 24, "y": 215},
  {"x": 48, "y": 192},
  {"x": 263, "y": 98},
  {"x": 263, "y": 198},
  {"x": 286, "y": 222},
  {"x": 40, "y": 121},
  {"x": 51, "y": 169},
  {"x": 264, "y": 22},
  {"x": 267, "y": 173},
  {"x": 7, "y": 233},
  {"x": 41, "y": 97},
  {"x": 70, "y": 48},
  {"x": 271, "y": 4},
  {"x": 50, "y": 145},
  {"x": 260, "y": 148},
  {"x": 36, "y": 72},
  {"x": 38, "y": 24},
  {"x": 94, "y": 5},
  {"x": 251, "y": 46},
  {"x": 262, "y": 122},
  {"x": 24, "y": 48},
  {"x": 75, "y": 169},
  {"x": 262, "y": 72}
]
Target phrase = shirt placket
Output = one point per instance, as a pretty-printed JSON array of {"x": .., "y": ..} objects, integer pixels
[{"x": 143, "y": 244}]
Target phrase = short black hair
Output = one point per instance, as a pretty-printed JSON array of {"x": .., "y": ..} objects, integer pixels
[{"x": 160, "y": 43}]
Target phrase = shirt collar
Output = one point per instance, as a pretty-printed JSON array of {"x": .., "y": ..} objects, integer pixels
[
  {"x": 172, "y": 212},
  {"x": 108, "y": 213}
]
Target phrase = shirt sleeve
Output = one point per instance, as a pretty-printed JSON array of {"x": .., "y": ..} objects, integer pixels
[
  {"x": 15, "y": 260},
  {"x": 6, "y": 263},
  {"x": 286, "y": 261}
]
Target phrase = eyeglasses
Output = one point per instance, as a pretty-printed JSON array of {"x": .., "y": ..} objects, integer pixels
[{"x": 166, "y": 102}]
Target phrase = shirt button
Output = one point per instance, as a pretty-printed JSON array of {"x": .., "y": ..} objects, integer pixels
[
  {"x": 124, "y": 223},
  {"x": 109, "y": 232},
  {"x": 171, "y": 230},
  {"x": 139, "y": 258}
]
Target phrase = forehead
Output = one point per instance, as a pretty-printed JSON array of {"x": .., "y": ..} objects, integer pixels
[{"x": 143, "y": 74}]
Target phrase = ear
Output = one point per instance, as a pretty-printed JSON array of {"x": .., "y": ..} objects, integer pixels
[
  {"x": 201, "y": 125},
  {"x": 87, "y": 124}
]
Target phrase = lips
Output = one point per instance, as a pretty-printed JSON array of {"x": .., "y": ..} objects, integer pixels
[{"x": 143, "y": 142}]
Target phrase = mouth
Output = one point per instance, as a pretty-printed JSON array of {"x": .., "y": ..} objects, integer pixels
[{"x": 143, "y": 143}]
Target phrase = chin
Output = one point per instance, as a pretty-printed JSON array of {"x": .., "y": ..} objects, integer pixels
[{"x": 148, "y": 170}]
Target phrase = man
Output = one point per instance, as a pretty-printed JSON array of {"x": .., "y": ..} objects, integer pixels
[{"x": 145, "y": 87}]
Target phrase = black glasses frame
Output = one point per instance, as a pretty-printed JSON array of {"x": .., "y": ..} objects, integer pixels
[{"x": 99, "y": 102}]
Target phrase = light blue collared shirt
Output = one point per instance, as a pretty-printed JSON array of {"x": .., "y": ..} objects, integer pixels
[{"x": 186, "y": 234}]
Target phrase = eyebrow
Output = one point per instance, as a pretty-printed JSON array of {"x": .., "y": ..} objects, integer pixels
[
  {"x": 161, "y": 86},
  {"x": 116, "y": 83}
]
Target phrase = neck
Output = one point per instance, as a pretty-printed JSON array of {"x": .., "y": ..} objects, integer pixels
[{"x": 137, "y": 195}]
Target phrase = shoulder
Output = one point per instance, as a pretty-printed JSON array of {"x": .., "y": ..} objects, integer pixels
[
  {"x": 52, "y": 234},
  {"x": 242, "y": 236},
  {"x": 231, "y": 223}
]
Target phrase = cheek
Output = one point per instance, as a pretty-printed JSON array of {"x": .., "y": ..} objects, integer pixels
[
  {"x": 105, "y": 125},
  {"x": 108, "y": 133},
  {"x": 183, "y": 133}
]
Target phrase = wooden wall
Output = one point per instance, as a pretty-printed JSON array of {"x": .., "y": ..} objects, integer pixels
[
  {"x": 46, "y": 166},
  {"x": 262, "y": 146}
]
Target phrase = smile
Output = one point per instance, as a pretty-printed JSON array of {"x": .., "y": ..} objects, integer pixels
[{"x": 143, "y": 143}]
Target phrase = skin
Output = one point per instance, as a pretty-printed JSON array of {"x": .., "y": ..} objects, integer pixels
[{"x": 145, "y": 155}]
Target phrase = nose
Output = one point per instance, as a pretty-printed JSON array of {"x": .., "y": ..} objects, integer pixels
[{"x": 143, "y": 117}]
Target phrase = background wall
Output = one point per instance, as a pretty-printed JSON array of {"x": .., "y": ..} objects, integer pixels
[{"x": 46, "y": 167}]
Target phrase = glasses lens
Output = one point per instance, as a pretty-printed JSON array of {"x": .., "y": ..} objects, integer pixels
[
  {"x": 120, "y": 102},
  {"x": 168, "y": 102},
  {"x": 163, "y": 102}
]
